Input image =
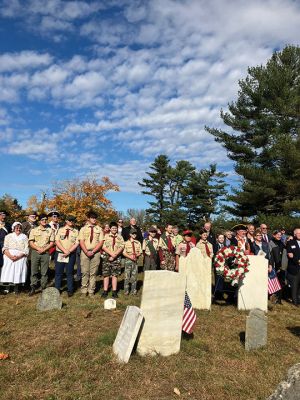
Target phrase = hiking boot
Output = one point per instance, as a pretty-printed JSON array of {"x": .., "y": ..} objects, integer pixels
[
  {"x": 104, "y": 294},
  {"x": 114, "y": 294}
]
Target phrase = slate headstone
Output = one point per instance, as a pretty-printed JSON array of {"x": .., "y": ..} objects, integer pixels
[
  {"x": 110, "y": 304},
  {"x": 128, "y": 332},
  {"x": 256, "y": 330},
  {"x": 49, "y": 300}
]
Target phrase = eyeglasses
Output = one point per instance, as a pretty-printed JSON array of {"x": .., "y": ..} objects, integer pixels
[{"x": 120, "y": 222}]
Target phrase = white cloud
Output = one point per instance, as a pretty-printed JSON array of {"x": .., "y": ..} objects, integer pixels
[
  {"x": 22, "y": 60},
  {"x": 155, "y": 73}
]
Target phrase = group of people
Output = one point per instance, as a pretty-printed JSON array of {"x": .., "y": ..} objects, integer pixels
[{"x": 30, "y": 245}]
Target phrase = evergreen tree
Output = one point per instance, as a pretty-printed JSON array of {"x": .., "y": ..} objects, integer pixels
[
  {"x": 203, "y": 195},
  {"x": 156, "y": 186},
  {"x": 265, "y": 144}
]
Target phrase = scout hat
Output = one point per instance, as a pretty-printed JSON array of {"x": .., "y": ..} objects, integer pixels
[
  {"x": 152, "y": 229},
  {"x": 4, "y": 212},
  {"x": 41, "y": 216},
  {"x": 53, "y": 214},
  {"x": 239, "y": 227},
  {"x": 187, "y": 233}
]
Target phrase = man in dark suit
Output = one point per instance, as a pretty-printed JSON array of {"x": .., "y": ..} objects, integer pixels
[
  {"x": 210, "y": 236},
  {"x": 126, "y": 231},
  {"x": 266, "y": 237},
  {"x": 293, "y": 269}
]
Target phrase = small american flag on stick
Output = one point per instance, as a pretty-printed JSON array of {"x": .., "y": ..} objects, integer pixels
[
  {"x": 189, "y": 315},
  {"x": 273, "y": 282}
]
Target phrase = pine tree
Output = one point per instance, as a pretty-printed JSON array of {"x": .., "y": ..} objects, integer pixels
[
  {"x": 204, "y": 194},
  {"x": 265, "y": 144},
  {"x": 156, "y": 186}
]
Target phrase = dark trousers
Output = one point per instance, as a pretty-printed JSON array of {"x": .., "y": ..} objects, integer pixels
[
  {"x": 59, "y": 270},
  {"x": 294, "y": 281},
  {"x": 78, "y": 273}
]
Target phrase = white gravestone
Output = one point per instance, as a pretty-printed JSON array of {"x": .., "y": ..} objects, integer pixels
[
  {"x": 127, "y": 333},
  {"x": 253, "y": 291},
  {"x": 162, "y": 307},
  {"x": 197, "y": 270},
  {"x": 110, "y": 304}
]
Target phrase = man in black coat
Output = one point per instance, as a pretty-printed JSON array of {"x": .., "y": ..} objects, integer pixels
[
  {"x": 126, "y": 231},
  {"x": 293, "y": 269}
]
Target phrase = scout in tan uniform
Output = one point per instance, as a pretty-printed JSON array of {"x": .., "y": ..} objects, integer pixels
[
  {"x": 150, "y": 250},
  {"x": 184, "y": 247},
  {"x": 91, "y": 240},
  {"x": 132, "y": 250},
  {"x": 166, "y": 252},
  {"x": 113, "y": 247},
  {"x": 41, "y": 239},
  {"x": 66, "y": 241},
  {"x": 204, "y": 245}
]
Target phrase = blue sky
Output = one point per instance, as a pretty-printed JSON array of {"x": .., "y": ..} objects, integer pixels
[{"x": 103, "y": 87}]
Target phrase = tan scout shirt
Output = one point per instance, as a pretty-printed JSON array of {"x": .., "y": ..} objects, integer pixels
[
  {"x": 164, "y": 244},
  {"x": 85, "y": 235},
  {"x": 201, "y": 245},
  {"x": 146, "y": 248},
  {"x": 66, "y": 242},
  {"x": 108, "y": 242},
  {"x": 129, "y": 248},
  {"x": 41, "y": 236},
  {"x": 181, "y": 248}
]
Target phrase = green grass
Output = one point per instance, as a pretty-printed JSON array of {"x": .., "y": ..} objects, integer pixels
[{"x": 67, "y": 354}]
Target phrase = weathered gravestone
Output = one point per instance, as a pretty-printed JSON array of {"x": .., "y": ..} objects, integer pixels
[
  {"x": 162, "y": 307},
  {"x": 49, "y": 300},
  {"x": 127, "y": 334},
  {"x": 196, "y": 269},
  {"x": 110, "y": 304},
  {"x": 290, "y": 388},
  {"x": 253, "y": 291},
  {"x": 256, "y": 330}
]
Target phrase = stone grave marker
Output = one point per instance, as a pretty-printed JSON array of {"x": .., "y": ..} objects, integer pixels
[
  {"x": 162, "y": 307},
  {"x": 197, "y": 271},
  {"x": 127, "y": 334},
  {"x": 110, "y": 304},
  {"x": 49, "y": 300},
  {"x": 253, "y": 291},
  {"x": 256, "y": 330}
]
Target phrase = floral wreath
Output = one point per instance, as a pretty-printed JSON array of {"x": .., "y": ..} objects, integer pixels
[{"x": 235, "y": 270}]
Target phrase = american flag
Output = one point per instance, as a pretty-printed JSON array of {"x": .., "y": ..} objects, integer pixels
[
  {"x": 189, "y": 315},
  {"x": 273, "y": 282}
]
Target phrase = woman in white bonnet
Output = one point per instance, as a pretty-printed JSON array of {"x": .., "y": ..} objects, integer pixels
[{"x": 15, "y": 252}]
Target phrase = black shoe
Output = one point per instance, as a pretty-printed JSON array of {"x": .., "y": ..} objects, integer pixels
[
  {"x": 70, "y": 294},
  {"x": 32, "y": 292},
  {"x": 104, "y": 294},
  {"x": 114, "y": 294}
]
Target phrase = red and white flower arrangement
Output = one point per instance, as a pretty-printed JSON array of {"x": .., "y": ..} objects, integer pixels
[{"x": 235, "y": 270}]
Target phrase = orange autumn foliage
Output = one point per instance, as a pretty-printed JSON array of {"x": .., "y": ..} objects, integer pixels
[{"x": 76, "y": 197}]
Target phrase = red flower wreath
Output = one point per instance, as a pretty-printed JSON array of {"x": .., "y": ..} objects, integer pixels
[{"x": 235, "y": 271}]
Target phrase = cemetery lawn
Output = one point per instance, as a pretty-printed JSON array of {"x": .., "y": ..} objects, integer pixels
[{"x": 67, "y": 354}]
